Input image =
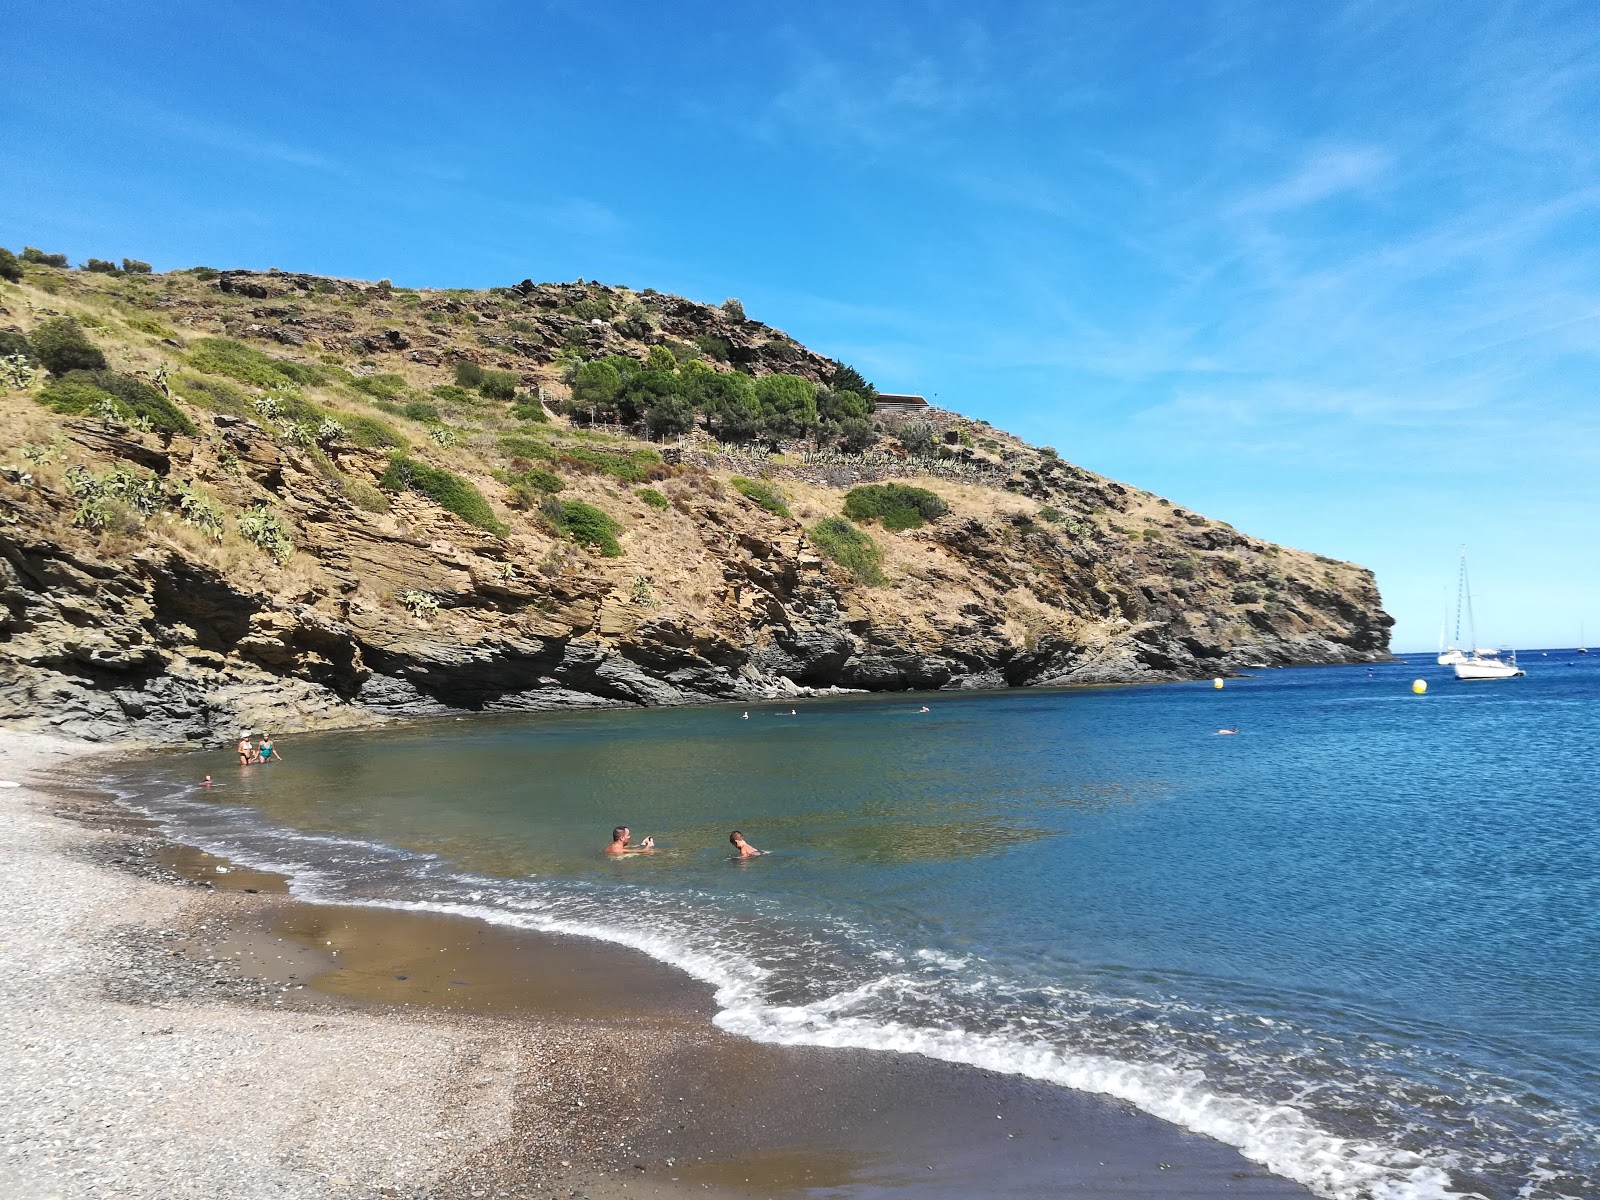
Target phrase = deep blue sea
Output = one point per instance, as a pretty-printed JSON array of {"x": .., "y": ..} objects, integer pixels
[{"x": 1360, "y": 940}]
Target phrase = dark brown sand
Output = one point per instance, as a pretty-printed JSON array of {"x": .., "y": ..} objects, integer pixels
[{"x": 699, "y": 1112}]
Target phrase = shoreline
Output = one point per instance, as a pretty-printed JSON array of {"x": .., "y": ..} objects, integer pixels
[
  {"x": 413, "y": 1054},
  {"x": 364, "y": 719}
]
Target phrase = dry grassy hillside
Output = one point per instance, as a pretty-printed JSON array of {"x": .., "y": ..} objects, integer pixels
[{"x": 284, "y": 500}]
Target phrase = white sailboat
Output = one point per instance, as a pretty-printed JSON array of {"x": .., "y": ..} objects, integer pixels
[
  {"x": 1449, "y": 655},
  {"x": 1480, "y": 664}
]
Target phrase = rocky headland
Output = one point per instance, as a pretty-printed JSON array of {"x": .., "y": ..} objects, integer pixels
[{"x": 283, "y": 501}]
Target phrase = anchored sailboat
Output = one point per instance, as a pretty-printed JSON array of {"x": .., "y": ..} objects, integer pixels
[
  {"x": 1480, "y": 664},
  {"x": 1449, "y": 655}
]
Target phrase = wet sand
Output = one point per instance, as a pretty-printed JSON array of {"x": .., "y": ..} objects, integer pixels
[{"x": 542, "y": 1065}]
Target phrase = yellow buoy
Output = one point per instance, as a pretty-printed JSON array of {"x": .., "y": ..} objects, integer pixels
[
  {"x": 1419, "y": 686},
  {"x": 1216, "y": 683}
]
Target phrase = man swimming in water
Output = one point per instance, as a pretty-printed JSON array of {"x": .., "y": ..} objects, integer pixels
[
  {"x": 619, "y": 843},
  {"x": 743, "y": 848}
]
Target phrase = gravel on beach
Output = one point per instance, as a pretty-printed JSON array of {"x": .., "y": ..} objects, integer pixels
[{"x": 133, "y": 1067}]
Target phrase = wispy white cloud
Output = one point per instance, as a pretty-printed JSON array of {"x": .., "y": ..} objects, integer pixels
[{"x": 1326, "y": 172}]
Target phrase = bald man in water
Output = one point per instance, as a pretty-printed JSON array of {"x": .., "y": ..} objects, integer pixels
[{"x": 619, "y": 843}]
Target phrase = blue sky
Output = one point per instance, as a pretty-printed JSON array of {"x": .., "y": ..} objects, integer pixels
[{"x": 1330, "y": 272}]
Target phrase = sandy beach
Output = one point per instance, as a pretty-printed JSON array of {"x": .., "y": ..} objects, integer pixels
[{"x": 179, "y": 1027}]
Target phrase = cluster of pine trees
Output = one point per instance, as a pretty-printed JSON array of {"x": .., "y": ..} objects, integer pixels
[{"x": 670, "y": 398}]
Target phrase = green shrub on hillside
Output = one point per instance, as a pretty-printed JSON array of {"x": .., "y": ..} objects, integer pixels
[
  {"x": 536, "y": 478},
  {"x": 224, "y": 356},
  {"x": 10, "y": 266},
  {"x": 634, "y": 467},
  {"x": 897, "y": 505},
  {"x": 518, "y": 446},
  {"x": 764, "y": 494},
  {"x": 134, "y": 267},
  {"x": 499, "y": 385},
  {"x": 372, "y": 433},
  {"x": 381, "y": 387},
  {"x": 449, "y": 491},
  {"x": 855, "y": 435},
  {"x": 422, "y": 412},
  {"x": 852, "y": 548},
  {"x": 32, "y": 254},
  {"x": 652, "y": 497},
  {"x": 468, "y": 374},
  {"x": 529, "y": 409},
  {"x": 109, "y": 394},
  {"x": 14, "y": 344},
  {"x": 101, "y": 267},
  {"x": 584, "y": 524},
  {"x": 452, "y": 393},
  {"x": 209, "y": 392},
  {"x": 734, "y": 309},
  {"x": 713, "y": 346},
  {"x": 62, "y": 346}
]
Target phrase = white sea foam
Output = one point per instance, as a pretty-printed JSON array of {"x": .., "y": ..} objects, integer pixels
[{"x": 1279, "y": 1136}]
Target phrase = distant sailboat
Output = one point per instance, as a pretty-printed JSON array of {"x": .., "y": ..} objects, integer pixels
[
  {"x": 1480, "y": 664},
  {"x": 1449, "y": 655}
]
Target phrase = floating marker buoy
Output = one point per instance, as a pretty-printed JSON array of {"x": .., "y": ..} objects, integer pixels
[
  {"x": 1216, "y": 683},
  {"x": 1419, "y": 686}
]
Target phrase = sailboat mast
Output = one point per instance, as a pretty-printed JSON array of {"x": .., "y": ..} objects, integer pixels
[
  {"x": 1461, "y": 591},
  {"x": 1466, "y": 587}
]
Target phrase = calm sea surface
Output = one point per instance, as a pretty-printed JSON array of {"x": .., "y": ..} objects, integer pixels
[{"x": 1360, "y": 940}]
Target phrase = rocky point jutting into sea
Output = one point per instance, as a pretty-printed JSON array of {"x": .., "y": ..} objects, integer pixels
[{"x": 249, "y": 499}]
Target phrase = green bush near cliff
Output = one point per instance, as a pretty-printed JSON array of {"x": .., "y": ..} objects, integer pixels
[
  {"x": 107, "y": 393},
  {"x": 631, "y": 467},
  {"x": 850, "y": 547},
  {"x": 897, "y": 505},
  {"x": 372, "y": 433},
  {"x": 764, "y": 494},
  {"x": 584, "y": 524},
  {"x": 224, "y": 356},
  {"x": 446, "y": 489},
  {"x": 381, "y": 387},
  {"x": 62, "y": 346}
]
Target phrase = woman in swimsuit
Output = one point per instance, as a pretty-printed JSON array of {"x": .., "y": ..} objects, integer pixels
[
  {"x": 268, "y": 752},
  {"x": 247, "y": 752}
]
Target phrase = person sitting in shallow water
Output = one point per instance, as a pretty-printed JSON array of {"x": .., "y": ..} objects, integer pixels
[
  {"x": 742, "y": 848},
  {"x": 620, "y": 837}
]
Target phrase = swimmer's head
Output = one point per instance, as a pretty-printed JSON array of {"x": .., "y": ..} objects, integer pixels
[
  {"x": 735, "y": 837},
  {"x": 620, "y": 832}
]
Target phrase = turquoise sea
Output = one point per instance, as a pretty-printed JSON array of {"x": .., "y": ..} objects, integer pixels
[{"x": 1360, "y": 940}]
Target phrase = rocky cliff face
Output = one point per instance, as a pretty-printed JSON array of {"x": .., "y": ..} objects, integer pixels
[{"x": 144, "y": 625}]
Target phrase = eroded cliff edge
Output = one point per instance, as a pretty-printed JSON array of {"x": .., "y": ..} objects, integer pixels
[{"x": 149, "y": 627}]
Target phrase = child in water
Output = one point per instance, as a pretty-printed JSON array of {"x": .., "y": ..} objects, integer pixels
[{"x": 742, "y": 848}]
